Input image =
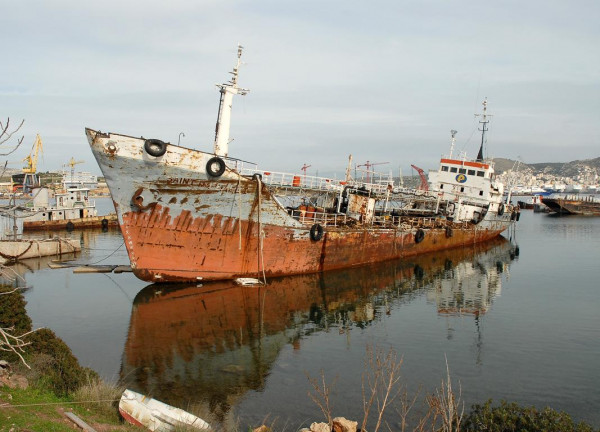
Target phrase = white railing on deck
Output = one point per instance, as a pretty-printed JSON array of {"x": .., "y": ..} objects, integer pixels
[
  {"x": 309, "y": 217},
  {"x": 311, "y": 182}
]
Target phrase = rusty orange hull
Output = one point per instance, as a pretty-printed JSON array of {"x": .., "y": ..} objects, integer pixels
[
  {"x": 213, "y": 248},
  {"x": 182, "y": 223}
]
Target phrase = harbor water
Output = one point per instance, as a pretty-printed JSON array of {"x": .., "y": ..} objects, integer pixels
[{"x": 514, "y": 319}]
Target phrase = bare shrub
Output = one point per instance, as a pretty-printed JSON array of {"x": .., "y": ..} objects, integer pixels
[
  {"x": 446, "y": 407},
  {"x": 321, "y": 396}
]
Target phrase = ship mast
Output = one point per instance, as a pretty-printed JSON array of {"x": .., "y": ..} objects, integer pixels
[
  {"x": 453, "y": 133},
  {"x": 484, "y": 122},
  {"x": 227, "y": 90}
]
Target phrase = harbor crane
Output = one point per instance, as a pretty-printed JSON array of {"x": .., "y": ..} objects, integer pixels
[
  {"x": 304, "y": 168},
  {"x": 424, "y": 183},
  {"x": 28, "y": 179},
  {"x": 32, "y": 158},
  {"x": 369, "y": 165},
  {"x": 72, "y": 163}
]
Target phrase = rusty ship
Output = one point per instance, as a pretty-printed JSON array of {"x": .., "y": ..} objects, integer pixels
[
  {"x": 190, "y": 215},
  {"x": 573, "y": 205}
]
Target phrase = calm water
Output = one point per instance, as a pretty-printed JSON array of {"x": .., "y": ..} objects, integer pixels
[{"x": 517, "y": 324}]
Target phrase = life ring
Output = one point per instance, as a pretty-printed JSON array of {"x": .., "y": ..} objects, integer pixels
[
  {"x": 215, "y": 167},
  {"x": 419, "y": 236},
  {"x": 316, "y": 232},
  {"x": 449, "y": 232},
  {"x": 500, "y": 209},
  {"x": 155, "y": 147}
]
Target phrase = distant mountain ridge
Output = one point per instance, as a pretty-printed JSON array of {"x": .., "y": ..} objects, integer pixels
[{"x": 562, "y": 169}]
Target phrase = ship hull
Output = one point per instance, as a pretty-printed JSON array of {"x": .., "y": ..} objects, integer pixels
[
  {"x": 181, "y": 224},
  {"x": 580, "y": 206}
]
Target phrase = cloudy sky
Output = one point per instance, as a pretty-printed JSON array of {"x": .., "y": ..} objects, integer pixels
[{"x": 383, "y": 80}]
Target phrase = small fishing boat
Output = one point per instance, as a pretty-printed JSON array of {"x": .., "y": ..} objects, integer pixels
[{"x": 155, "y": 415}]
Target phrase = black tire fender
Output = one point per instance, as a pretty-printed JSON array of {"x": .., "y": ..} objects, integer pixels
[
  {"x": 419, "y": 236},
  {"x": 316, "y": 232},
  {"x": 155, "y": 147},
  {"x": 449, "y": 232},
  {"x": 500, "y": 209},
  {"x": 215, "y": 167}
]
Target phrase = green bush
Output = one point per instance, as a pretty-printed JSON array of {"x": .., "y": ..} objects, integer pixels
[
  {"x": 13, "y": 315},
  {"x": 56, "y": 367},
  {"x": 510, "y": 417}
]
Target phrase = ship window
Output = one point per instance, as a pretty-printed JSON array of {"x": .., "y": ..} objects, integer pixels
[
  {"x": 462, "y": 171},
  {"x": 462, "y": 189},
  {"x": 480, "y": 174},
  {"x": 471, "y": 172},
  {"x": 441, "y": 186},
  {"x": 481, "y": 193},
  {"x": 444, "y": 168},
  {"x": 453, "y": 169}
]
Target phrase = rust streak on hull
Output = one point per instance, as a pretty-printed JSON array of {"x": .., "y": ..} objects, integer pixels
[{"x": 165, "y": 251}]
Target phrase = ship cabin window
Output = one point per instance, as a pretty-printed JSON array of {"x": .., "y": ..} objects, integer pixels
[
  {"x": 444, "y": 168},
  {"x": 471, "y": 172},
  {"x": 462, "y": 189},
  {"x": 453, "y": 169},
  {"x": 462, "y": 171},
  {"x": 480, "y": 174},
  {"x": 480, "y": 193},
  {"x": 441, "y": 185}
]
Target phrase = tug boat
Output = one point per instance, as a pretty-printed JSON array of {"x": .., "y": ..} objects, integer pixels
[{"x": 188, "y": 215}]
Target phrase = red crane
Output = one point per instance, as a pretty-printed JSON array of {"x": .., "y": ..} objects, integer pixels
[
  {"x": 304, "y": 168},
  {"x": 424, "y": 184},
  {"x": 369, "y": 165}
]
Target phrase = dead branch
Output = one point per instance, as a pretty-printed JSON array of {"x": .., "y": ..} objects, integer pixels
[
  {"x": 381, "y": 383},
  {"x": 15, "y": 344},
  {"x": 447, "y": 406},
  {"x": 6, "y": 134},
  {"x": 321, "y": 395}
]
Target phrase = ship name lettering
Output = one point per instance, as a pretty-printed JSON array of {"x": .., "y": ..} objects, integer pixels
[{"x": 183, "y": 181}]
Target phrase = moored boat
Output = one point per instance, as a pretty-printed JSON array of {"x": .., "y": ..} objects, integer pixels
[
  {"x": 574, "y": 205},
  {"x": 189, "y": 215},
  {"x": 72, "y": 208},
  {"x": 20, "y": 249},
  {"x": 155, "y": 415}
]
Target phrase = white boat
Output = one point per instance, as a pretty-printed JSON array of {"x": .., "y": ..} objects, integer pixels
[
  {"x": 155, "y": 415},
  {"x": 20, "y": 249}
]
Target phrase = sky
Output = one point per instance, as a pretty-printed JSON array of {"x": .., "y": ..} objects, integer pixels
[{"x": 383, "y": 80}]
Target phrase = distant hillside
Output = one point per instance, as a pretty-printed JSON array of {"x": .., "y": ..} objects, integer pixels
[{"x": 563, "y": 169}]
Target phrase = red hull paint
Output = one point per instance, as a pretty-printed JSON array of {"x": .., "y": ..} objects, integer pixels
[
  {"x": 129, "y": 419},
  {"x": 162, "y": 248}
]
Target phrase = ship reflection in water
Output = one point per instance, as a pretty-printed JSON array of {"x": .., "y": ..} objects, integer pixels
[{"x": 209, "y": 345}]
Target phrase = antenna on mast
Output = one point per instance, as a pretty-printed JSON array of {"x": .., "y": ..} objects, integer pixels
[
  {"x": 484, "y": 122},
  {"x": 453, "y": 132},
  {"x": 227, "y": 90}
]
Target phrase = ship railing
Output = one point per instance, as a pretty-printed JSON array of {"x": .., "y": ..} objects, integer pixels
[
  {"x": 301, "y": 181},
  {"x": 310, "y": 216}
]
